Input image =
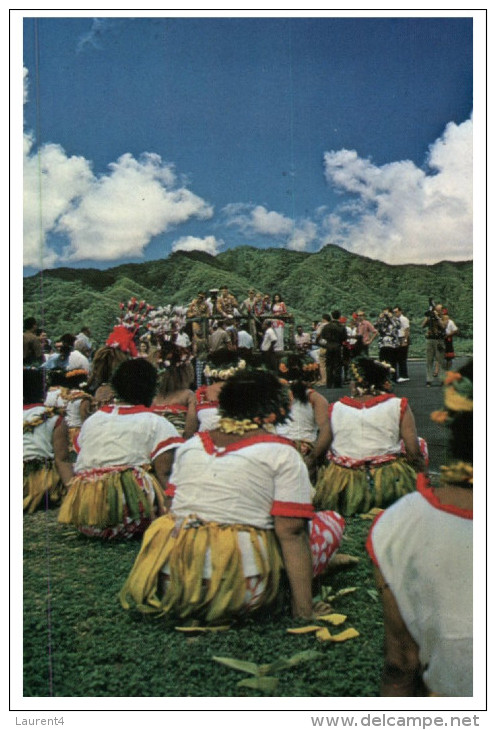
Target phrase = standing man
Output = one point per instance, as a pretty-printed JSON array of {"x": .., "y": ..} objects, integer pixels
[
  {"x": 402, "y": 353},
  {"x": 83, "y": 342},
  {"x": 302, "y": 340},
  {"x": 227, "y": 304},
  {"x": 434, "y": 336},
  {"x": 334, "y": 334},
  {"x": 366, "y": 333},
  {"x": 248, "y": 306},
  {"x": 268, "y": 345},
  {"x": 32, "y": 350}
]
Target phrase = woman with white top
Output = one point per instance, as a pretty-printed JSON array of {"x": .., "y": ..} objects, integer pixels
[
  {"x": 125, "y": 452},
  {"x": 240, "y": 514},
  {"x": 375, "y": 452},
  {"x": 421, "y": 548}
]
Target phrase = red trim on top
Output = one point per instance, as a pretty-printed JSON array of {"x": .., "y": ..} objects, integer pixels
[
  {"x": 163, "y": 444},
  {"x": 368, "y": 544},
  {"x": 425, "y": 489},
  {"x": 125, "y": 410},
  {"x": 169, "y": 408},
  {"x": 262, "y": 438},
  {"x": 209, "y": 404},
  {"x": 34, "y": 405},
  {"x": 403, "y": 407},
  {"x": 292, "y": 509},
  {"x": 348, "y": 401},
  {"x": 170, "y": 489},
  {"x": 207, "y": 441}
]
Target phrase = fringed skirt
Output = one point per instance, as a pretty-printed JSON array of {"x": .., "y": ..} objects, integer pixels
[
  {"x": 350, "y": 489},
  {"x": 41, "y": 479},
  {"x": 214, "y": 572},
  {"x": 117, "y": 502}
]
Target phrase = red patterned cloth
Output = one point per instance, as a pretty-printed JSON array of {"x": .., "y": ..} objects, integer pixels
[{"x": 326, "y": 532}]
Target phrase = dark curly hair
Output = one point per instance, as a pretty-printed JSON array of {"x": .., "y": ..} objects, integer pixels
[
  {"x": 33, "y": 386},
  {"x": 135, "y": 381},
  {"x": 371, "y": 373},
  {"x": 254, "y": 394}
]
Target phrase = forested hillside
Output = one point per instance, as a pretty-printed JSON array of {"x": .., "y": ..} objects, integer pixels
[{"x": 310, "y": 283}]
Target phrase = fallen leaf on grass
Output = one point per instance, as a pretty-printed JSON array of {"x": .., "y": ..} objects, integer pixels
[
  {"x": 239, "y": 664},
  {"x": 304, "y": 630},
  {"x": 265, "y": 684},
  {"x": 336, "y": 619},
  {"x": 371, "y": 513},
  {"x": 262, "y": 670},
  {"x": 345, "y": 635}
]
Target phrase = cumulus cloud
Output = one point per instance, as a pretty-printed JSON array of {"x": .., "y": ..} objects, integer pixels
[
  {"x": 258, "y": 221},
  {"x": 100, "y": 217},
  {"x": 400, "y": 213},
  {"x": 209, "y": 244}
]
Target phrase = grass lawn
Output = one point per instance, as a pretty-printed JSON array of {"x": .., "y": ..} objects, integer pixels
[{"x": 79, "y": 642}]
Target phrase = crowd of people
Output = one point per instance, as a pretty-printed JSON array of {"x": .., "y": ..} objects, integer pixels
[{"x": 238, "y": 475}]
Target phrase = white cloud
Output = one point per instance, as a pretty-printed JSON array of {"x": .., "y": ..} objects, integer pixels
[
  {"x": 258, "y": 221},
  {"x": 401, "y": 213},
  {"x": 103, "y": 217},
  {"x": 122, "y": 211},
  {"x": 209, "y": 244}
]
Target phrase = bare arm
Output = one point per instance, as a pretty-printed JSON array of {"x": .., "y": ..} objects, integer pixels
[
  {"x": 408, "y": 432},
  {"x": 85, "y": 408},
  {"x": 191, "y": 421},
  {"x": 60, "y": 440},
  {"x": 401, "y": 675},
  {"x": 292, "y": 534},
  {"x": 320, "y": 407},
  {"x": 162, "y": 466}
]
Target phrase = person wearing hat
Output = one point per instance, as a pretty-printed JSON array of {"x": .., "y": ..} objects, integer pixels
[{"x": 421, "y": 548}]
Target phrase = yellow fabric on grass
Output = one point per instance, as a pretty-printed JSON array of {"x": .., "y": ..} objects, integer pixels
[
  {"x": 184, "y": 550},
  {"x": 100, "y": 501},
  {"x": 349, "y": 491},
  {"x": 37, "y": 483}
]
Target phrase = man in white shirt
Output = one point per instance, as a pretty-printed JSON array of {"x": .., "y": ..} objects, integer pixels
[
  {"x": 402, "y": 350},
  {"x": 268, "y": 344}
]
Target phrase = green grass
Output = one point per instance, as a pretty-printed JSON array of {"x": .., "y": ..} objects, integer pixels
[{"x": 79, "y": 642}]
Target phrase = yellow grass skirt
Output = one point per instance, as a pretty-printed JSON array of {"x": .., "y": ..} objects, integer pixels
[
  {"x": 182, "y": 547},
  {"x": 40, "y": 478},
  {"x": 350, "y": 490},
  {"x": 106, "y": 499}
]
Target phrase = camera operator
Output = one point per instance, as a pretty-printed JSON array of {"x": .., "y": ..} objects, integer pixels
[{"x": 435, "y": 347}]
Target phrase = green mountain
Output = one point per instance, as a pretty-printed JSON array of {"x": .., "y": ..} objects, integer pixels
[{"x": 310, "y": 283}]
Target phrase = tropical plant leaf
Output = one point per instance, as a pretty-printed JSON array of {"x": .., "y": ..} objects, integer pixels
[
  {"x": 323, "y": 635},
  {"x": 373, "y": 594},
  {"x": 239, "y": 664},
  {"x": 268, "y": 685},
  {"x": 336, "y": 619},
  {"x": 292, "y": 661},
  {"x": 304, "y": 629},
  {"x": 350, "y": 633}
]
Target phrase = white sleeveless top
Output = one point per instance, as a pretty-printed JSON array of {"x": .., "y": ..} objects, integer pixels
[
  {"x": 37, "y": 444},
  {"x": 371, "y": 428},
  {"x": 424, "y": 551},
  {"x": 301, "y": 426}
]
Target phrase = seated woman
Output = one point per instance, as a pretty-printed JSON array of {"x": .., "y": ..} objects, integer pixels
[
  {"x": 221, "y": 366},
  {"x": 175, "y": 400},
  {"x": 105, "y": 361},
  {"x": 241, "y": 513},
  {"x": 41, "y": 480},
  {"x": 308, "y": 423},
  {"x": 125, "y": 453},
  {"x": 367, "y": 467},
  {"x": 422, "y": 551}
]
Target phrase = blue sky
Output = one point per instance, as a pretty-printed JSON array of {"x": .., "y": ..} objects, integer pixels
[{"x": 147, "y": 135}]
